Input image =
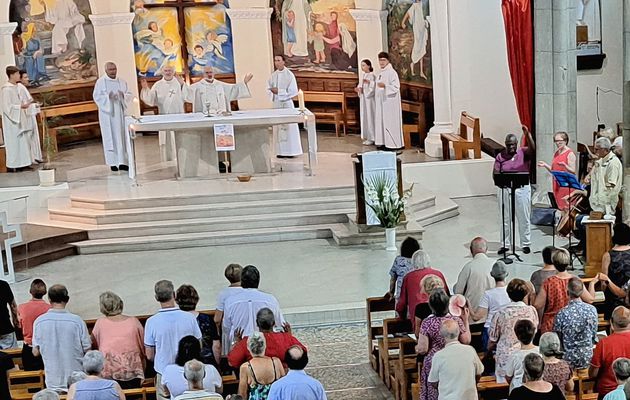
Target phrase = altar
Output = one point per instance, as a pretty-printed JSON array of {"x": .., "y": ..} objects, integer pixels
[{"x": 197, "y": 155}]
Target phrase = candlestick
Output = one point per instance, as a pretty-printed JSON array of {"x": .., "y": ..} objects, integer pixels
[
  {"x": 301, "y": 100},
  {"x": 136, "y": 107}
]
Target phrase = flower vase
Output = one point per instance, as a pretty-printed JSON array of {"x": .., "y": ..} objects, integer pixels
[{"x": 390, "y": 236}]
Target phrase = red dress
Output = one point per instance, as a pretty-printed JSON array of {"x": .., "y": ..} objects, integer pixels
[
  {"x": 559, "y": 192},
  {"x": 557, "y": 299}
]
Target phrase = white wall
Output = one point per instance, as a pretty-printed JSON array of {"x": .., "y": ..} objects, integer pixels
[{"x": 609, "y": 77}]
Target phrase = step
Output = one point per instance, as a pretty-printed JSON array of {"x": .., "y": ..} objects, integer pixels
[
  {"x": 443, "y": 209},
  {"x": 198, "y": 225},
  {"x": 203, "y": 239},
  {"x": 225, "y": 209},
  {"x": 41, "y": 257},
  {"x": 348, "y": 235},
  {"x": 79, "y": 201},
  {"x": 46, "y": 243}
]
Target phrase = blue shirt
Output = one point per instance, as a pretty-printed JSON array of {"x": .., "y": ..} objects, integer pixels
[
  {"x": 616, "y": 394},
  {"x": 297, "y": 385}
]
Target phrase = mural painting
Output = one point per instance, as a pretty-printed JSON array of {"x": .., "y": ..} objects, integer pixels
[{"x": 209, "y": 39}]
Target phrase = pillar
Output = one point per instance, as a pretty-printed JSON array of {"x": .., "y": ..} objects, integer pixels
[
  {"x": 626, "y": 110},
  {"x": 371, "y": 21},
  {"x": 114, "y": 42},
  {"x": 440, "y": 59},
  {"x": 6, "y": 46},
  {"x": 253, "y": 48}
]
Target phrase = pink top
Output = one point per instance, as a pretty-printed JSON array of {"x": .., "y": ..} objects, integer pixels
[
  {"x": 518, "y": 163},
  {"x": 121, "y": 342},
  {"x": 28, "y": 313}
]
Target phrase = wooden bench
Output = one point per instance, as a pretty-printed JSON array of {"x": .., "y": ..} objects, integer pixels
[
  {"x": 64, "y": 110},
  {"x": 394, "y": 330},
  {"x": 375, "y": 332},
  {"x": 462, "y": 143},
  {"x": 3, "y": 159},
  {"x": 327, "y": 115},
  {"x": 488, "y": 388},
  {"x": 420, "y": 128},
  {"x": 404, "y": 369}
]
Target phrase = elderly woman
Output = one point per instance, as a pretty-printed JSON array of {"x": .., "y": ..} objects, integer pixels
[
  {"x": 402, "y": 266},
  {"x": 621, "y": 368},
  {"x": 616, "y": 267},
  {"x": 430, "y": 341},
  {"x": 46, "y": 394},
  {"x": 553, "y": 295},
  {"x": 94, "y": 386},
  {"x": 535, "y": 387},
  {"x": 187, "y": 299},
  {"x": 428, "y": 285},
  {"x": 173, "y": 381},
  {"x": 557, "y": 371},
  {"x": 501, "y": 335},
  {"x": 121, "y": 340},
  {"x": 257, "y": 375}
]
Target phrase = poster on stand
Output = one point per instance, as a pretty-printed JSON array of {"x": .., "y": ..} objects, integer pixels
[{"x": 224, "y": 137}]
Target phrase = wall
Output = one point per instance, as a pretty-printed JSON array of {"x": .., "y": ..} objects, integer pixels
[{"x": 609, "y": 77}]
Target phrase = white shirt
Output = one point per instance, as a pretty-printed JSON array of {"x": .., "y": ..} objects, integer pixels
[
  {"x": 173, "y": 378},
  {"x": 493, "y": 300},
  {"x": 164, "y": 330},
  {"x": 515, "y": 368},
  {"x": 241, "y": 309},
  {"x": 198, "y": 394},
  {"x": 224, "y": 294},
  {"x": 455, "y": 368}
]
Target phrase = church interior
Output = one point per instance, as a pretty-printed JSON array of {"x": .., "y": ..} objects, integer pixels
[{"x": 319, "y": 141}]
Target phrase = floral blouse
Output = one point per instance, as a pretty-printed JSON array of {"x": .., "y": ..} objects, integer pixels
[{"x": 577, "y": 326}]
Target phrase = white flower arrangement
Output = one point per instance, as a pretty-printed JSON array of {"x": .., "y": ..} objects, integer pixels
[{"x": 383, "y": 198}]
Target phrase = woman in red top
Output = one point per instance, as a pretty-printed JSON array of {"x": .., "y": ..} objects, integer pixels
[{"x": 563, "y": 160}]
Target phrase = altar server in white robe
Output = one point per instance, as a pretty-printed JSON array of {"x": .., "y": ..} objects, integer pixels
[
  {"x": 388, "y": 130},
  {"x": 212, "y": 96},
  {"x": 283, "y": 88},
  {"x": 366, "y": 89},
  {"x": 31, "y": 117},
  {"x": 111, "y": 95},
  {"x": 168, "y": 96},
  {"x": 16, "y": 140}
]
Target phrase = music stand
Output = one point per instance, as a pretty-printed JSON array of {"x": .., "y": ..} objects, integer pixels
[
  {"x": 554, "y": 206},
  {"x": 569, "y": 180},
  {"x": 512, "y": 181}
]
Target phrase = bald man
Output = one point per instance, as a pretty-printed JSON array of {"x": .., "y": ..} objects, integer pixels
[
  {"x": 474, "y": 278},
  {"x": 609, "y": 349},
  {"x": 296, "y": 384},
  {"x": 514, "y": 159},
  {"x": 168, "y": 96},
  {"x": 111, "y": 95},
  {"x": 212, "y": 96},
  {"x": 456, "y": 368}
]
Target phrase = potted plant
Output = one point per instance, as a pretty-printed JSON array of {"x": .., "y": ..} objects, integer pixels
[{"x": 382, "y": 197}]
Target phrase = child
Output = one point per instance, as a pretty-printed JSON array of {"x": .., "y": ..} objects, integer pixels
[
  {"x": 525, "y": 331},
  {"x": 233, "y": 275},
  {"x": 318, "y": 43},
  {"x": 198, "y": 60},
  {"x": 289, "y": 27}
]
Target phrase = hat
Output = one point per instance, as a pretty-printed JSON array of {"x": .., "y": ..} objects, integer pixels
[
  {"x": 455, "y": 305},
  {"x": 499, "y": 270}
]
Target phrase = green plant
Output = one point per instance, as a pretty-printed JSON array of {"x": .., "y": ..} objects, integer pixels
[{"x": 382, "y": 197}]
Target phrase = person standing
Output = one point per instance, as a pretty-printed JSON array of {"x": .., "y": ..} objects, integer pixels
[
  {"x": 111, "y": 95},
  {"x": 283, "y": 88},
  {"x": 366, "y": 89},
  {"x": 418, "y": 21},
  {"x": 31, "y": 117},
  {"x": 14, "y": 123},
  {"x": 213, "y": 96},
  {"x": 28, "y": 312},
  {"x": 514, "y": 159},
  {"x": 388, "y": 131},
  {"x": 610, "y": 348},
  {"x": 474, "y": 278},
  {"x": 167, "y": 95},
  {"x": 297, "y": 384},
  {"x": 564, "y": 160},
  {"x": 7, "y": 329}
]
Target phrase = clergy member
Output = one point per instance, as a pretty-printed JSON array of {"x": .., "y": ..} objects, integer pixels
[
  {"x": 213, "y": 97},
  {"x": 283, "y": 88},
  {"x": 388, "y": 131},
  {"x": 111, "y": 95},
  {"x": 30, "y": 121},
  {"x": 16, "y": 141},
  {"x": 365, "y": 90},
  {"x": 167, "y": 95}
]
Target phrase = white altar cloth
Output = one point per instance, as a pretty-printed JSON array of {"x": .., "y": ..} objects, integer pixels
[{"x": 198, "y": 121}]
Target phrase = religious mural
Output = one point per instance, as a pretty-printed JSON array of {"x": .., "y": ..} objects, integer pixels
[
  {"x": 54, "y": 41},
  {"x": 409, "y": 41},
  {"x": 209, "y": 39},
  {"x": 315, "y": 35}
]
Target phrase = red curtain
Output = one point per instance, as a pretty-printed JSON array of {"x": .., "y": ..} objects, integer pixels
[{"x": 519, "y": 31}]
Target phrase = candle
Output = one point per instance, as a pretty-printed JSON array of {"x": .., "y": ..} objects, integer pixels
[
  {"x": 301, "y": 100},
  {"x": 136, "y": 107}
]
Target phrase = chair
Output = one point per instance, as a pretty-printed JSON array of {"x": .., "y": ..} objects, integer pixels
[
  {"x": 394, "y": 330},
  {"x": 461, "y": 142},
  {"x": 375, "y": 305}
]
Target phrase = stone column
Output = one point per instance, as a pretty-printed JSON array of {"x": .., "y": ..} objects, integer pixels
[
  {"x": 371, "y": 32},
  {"x": 114, "y": 42},
  {"x": 6, "y": 46},
  {"x": 251, "y": 19},
  {"x": 626, "y": 110},
  {"x": 440, "y": 54}
]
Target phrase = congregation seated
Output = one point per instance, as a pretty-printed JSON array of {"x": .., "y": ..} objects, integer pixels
[
  {"x": 277, "y": 343},
  {"x": 474, "y": 278},
  {"x": 576, "y": 325},
  {"x": 621, "y": 368},
  {"x": 28, "y": 313},
  {"x": 401, "y": 266},
  {"x": 194, "y": 372},
  {"x": 258, "y": 374},
  {"x": 540, "y": 276},
  {"x": 524, "y": 330},
  {"x": 492, "y": 300},
  {"x": 120, "y": 338},
  {"x": 173, "y": 382},
  {"x": 557, "y": 371},
  {"x": 77, "y": 376},
  {"x": 187, "y": 298},
  {"x": 616, "y": 266},
  {"x": 608, "y": 349},
  {"x": 233, "y": 275},
  {"x": 241, "y": 308},
  {"x": 7, "y": 322},
  {"x": 61, "y": 338},
  {"x": 535, "y": 387},
  {"x": 94, "y": 386},
  {"x": 296, "y": 384}
]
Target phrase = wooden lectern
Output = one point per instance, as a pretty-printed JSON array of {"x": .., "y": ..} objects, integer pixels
[{"x": 598, "y": 242}]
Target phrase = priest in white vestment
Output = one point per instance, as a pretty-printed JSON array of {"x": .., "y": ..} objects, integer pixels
[
  {"x": 213, "y": 97},
  {"x": 388, "y": 130},
  {"x": 16, "y": 140},
  {"x": 283, "y": 88},
  {"x": 168, "y": 96},
  {"x": 30, "y": 121},
  {"x": 64, "y": 15},
  {"x": 111, "y": 95}
]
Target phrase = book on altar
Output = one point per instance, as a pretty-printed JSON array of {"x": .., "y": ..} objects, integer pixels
[{"x": 224, "y": 137}]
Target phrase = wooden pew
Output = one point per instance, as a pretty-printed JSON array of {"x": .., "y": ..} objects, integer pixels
[
  {"x": 489, "y": 389},
  {"x": 3, "y": 159},
  {"x": 66, "y": 110},
  {"x": 22, "y": 384},
  {"x": 394, "y": 330},
  {"x": 462, "y": 142},
  {"x": 404, "y": 369},
  {"x": 374, "y": 333},
  {"x": 417, "y": 109},
  {"x": 332, "y": 115}
]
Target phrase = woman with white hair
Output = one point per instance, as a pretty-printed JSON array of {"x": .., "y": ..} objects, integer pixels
[
  {"x": 46, "y": 394},
  {"x": 557, "y": 371},
  {"x": 621, "y": 368},
  {"x": 257, "y": 375},
  {"x": 94, "y": 387}
]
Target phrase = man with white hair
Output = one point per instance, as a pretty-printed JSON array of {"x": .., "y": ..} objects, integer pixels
[
  {"x": 455, "y": 368},
  {"x": 194, "y": 372},
  {"x": 474, "y": 278},
  {"x": 212, "y": 96},
  {"x": 606, "y": 179}
]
